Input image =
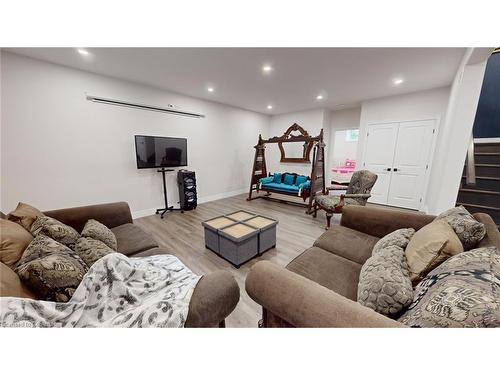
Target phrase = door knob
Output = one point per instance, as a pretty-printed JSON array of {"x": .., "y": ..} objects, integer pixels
[
  {"x": 388, "y": 169},
  {"x": 395, "y": 169}
]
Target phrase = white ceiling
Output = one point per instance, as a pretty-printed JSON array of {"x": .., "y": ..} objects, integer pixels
[{"x": 345, "y": 76}]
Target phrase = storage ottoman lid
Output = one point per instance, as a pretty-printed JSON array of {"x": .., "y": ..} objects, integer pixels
[
  {"x": 238, "y": 232},
  {"x": 240, "y": 215},
  {"x": 261, "y": 222},
  {"x": 218, "y": 222}
]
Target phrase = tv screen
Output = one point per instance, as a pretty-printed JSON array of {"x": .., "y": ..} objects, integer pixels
[{"x": 157, "y": 152}]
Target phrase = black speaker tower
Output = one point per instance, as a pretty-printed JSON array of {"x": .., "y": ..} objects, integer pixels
[{"x": 188, "y": 198}]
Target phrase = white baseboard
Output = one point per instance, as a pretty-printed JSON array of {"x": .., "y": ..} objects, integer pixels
[
  {"x": 142, "y": 213},
  {"x": 210, "y": 198},
  {"x": 216, "y": 197}
]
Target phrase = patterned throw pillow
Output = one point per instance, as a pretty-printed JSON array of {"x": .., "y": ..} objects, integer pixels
[
  {"x": 51, "y": 270},
  {"x": 464, "y": 291},
  {"x": 56, "y": 230},
  {"x": 98, "y": 231},
  {"x": 384, "y": 282},
  {"x": 469, "y": 230},
  {"x": 24, "y": 215},
  {"x": 399, "y": 237},
  {"x": 91, "y": 250}
]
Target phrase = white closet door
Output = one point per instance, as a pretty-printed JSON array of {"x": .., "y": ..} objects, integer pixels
[
  {"x": 413, "y": 147},
  {"x": 378, "y": 158}
]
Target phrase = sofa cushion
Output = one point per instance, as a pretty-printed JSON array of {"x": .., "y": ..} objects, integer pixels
[
  {"x": 132, "y": 239},
  {"x": 10, "y": 284},
  {"x": 464, "y": 291},
  {"x": 91, "y": 250},
  {"x": 100, "y": 232},
  {"x": 429, "y": 247},
  {"x": 288, "y": 179},
  {"x": 277, "y": 178},
  {"x": 56, "y": 230},
  {"x": 400, "y": 238},
  {"x": 51, "y": 270},
  {"x": 468, "y": 229},
  {"x": 384, "y": 282},
  {"x": 347, "y": 243},
  {"x": 24, "y": 215},
  {"x": 329, "y": 270},
  {"x": 283, "y": 187},
  {"x": 300, "y": 180},
  {"x": 14, "y": 240}
]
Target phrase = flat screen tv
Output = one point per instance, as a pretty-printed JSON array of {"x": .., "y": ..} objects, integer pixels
[{"x": 157, "y": 152}]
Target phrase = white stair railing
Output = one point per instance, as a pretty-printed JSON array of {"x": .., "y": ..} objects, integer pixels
[{"x": 470, "y": 170}]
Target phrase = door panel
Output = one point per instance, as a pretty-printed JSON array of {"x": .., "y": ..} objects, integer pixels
[
  {"x": 413, "y": 147},
  {"x": 378, "y": 158}
]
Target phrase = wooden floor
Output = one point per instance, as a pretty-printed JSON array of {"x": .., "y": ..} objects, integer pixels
[{"x": 182, "y": 235}]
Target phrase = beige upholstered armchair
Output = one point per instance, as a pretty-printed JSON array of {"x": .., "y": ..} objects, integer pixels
[{"x": 357, "y": 193}]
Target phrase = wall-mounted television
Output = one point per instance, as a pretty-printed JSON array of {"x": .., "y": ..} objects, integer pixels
[{"x": 158, "y": 152}]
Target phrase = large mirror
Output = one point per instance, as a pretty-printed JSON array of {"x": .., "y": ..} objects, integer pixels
[{"x": 295, "y": 145}]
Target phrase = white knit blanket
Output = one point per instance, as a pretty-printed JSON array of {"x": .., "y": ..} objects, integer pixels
[{"x": 117, "y": 291}]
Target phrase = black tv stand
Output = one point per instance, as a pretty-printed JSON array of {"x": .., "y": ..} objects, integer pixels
[{"x": 167, "y": 208}]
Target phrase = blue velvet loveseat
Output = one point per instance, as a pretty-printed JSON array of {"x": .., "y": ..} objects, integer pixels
[{"x": 286, "y": 183}]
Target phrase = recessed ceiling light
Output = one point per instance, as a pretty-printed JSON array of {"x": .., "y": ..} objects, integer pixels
[
  {"x": 398, "y": 81},
  {"x": 267, "y": 68},
  {"x": 319, "y": 97},
  {"x": 269, "y": 106},
  {"x": 83, "y": 52},
  {"x": 210, "y": 89}
]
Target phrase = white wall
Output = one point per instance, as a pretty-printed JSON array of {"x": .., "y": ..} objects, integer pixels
[
  {"x": 312, "y": 121},
  {"x": 60, "y": 150},
  {"x": 428, "y": 104},
  {"x": 415, "y": 106},
  {"x": 456, "y": 131}
]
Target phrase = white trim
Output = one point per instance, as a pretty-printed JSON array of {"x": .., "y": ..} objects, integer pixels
[
  {"x": 228, "y": 194},
  {"x": 487, "y": 140},
  {"x": 142, "y": 213},
  {"x": 152, "y": 211}
]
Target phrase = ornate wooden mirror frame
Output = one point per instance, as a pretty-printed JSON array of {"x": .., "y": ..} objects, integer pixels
[{"x": 303, "y": 137}]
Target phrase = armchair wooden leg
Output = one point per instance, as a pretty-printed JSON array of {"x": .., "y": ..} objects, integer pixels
[
  {"x": 315, "y": 212},
  {"x": 222, "y": 324},
  {"x": 328, "y": 219}
]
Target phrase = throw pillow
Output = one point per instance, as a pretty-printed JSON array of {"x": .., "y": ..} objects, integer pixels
[
  {"x": 10, "y": 284},
  {"x": 464, "y": 291},
  {"x": 91, "y": 250},
  {"x": 384, "y": 282},
  {"x": 468, "y": 229},
  {"x": 429, "y": 247},
  {"x": 399, "y": 237},
  {"x": 14, "y": 239},
  {"x": 300, "y": 180},
  {"x": 288, "y": 179},
  {"x": 55, "y": 229},
  {"x": 24, "y": 215},
  {"x": 50, "y": 269},
  {"x": 98, "y": 231},
  {"x": 277, "y": 178}
]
